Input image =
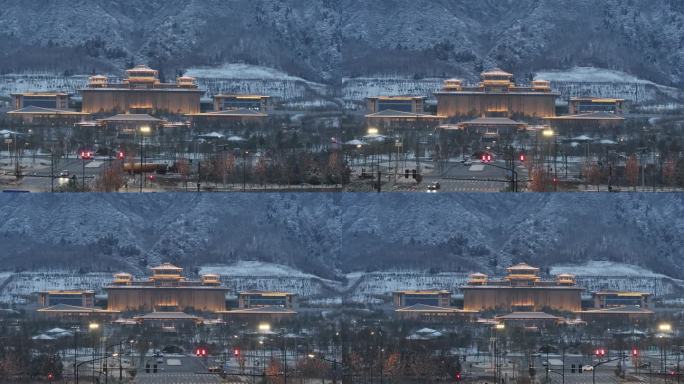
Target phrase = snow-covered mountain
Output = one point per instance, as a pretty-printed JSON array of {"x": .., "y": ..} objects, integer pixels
[
  {"x": 327, "y": 40},
  {"x": 332, "y": 235}
]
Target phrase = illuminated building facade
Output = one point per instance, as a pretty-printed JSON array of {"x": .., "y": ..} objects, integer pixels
[
  {"x": 522, "y": 290},
  {"x": 614, "y": 299},
  {"x": 440, "y": 298},
  {"x": 84, "y": 299},
  {"x": 41, "y": 99},
  {"x": 260, "y": 299},
  {"x": 496, "y": 96},
  {"x": 578, "y": 105},
  {"x": 141, "y": 92},
  {"x": 242, "y": 102},
  {"x": 166, "y": 291},
  {"x": 410, "y": 104}
]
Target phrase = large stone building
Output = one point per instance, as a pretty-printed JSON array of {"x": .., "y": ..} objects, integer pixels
[
  {"x": 141, "y": 92},
  {"x": 496, "y": 96},
  {"x": 522, "y": 290},
  {"x": 166, "y": 291}
]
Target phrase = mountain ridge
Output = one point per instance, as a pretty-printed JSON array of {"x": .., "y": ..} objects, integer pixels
[{"x": 326, "y": 40}]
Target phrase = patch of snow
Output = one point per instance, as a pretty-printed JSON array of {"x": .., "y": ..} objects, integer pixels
[
  {"x": 240, "y": 71},
  {"x": 589, "y": 74},
  {"x": 254, "y": 269},
  {"x": 604, "y": 268}
]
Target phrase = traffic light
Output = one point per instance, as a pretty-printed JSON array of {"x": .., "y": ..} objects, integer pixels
[
  {"x": 635, "y": 352},
  {"x": 458, "y": 377},
  {"x": 201, "y": 352},
  {"x": 86, "y": 155},
  {"x": 236, "y": 352},
  {"x": 50, "y": 377},
  {"x": 486, "y": 157},
  {"x": 120, "y": 155},
  {"x": 600, "y": 352},
  {"x": 523, "y": 157}
]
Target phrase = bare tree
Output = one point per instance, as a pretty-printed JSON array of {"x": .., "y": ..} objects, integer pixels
[
  {"x": 632, "y": 171},
  {"x": 111, "y": 180}
]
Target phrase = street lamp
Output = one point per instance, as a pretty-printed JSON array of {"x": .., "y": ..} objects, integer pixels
[
  {"x": 85, "y": 155},
  {"x": 264, "y": 327},
  {"x": 244, "y": 170},
  {"x": 665, "y": 327},
  {"x": 550, "y": 133},
  {"x": 144, "y": 130}
]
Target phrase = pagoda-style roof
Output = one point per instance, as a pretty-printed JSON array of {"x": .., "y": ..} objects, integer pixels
[
  {"x": 131, "y": 118},
  {"x": 65, "y": 308},
  {"x": 621, "y": 310},
  {"x": 597, "y": 116},
  {"x": 392, "y": 114},
  {"x": 266, "y": 293},
  {"x": 424, "y": 292},
  {"x": 166, "y": 267},
  {"x": 142, "y": 69},
  {"x": 495, "y": 72},
  {"x": 241, "y": 112},
  {"x": 520, "y": 267},
  {"x": 493, "y": 121},
  {"x": 528, "y": 316},
  {"x": 240, "y": 96},
  {"x": 33, "y": 110},
  {"x": 424, "y": 308},
  {"x": 272, "y": 309}
]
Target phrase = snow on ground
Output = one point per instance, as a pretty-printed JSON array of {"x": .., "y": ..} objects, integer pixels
[
  {"x": 18, "y": 287},
  {"x": 600, "y": 82},
  {"x": 240, "y": 71},
  {"x": 254, "y": 269},
  {"x": 590, "y": 74},
  {"x": 604, "y": 268}
]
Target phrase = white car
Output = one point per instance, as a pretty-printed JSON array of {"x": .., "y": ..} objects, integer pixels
[{"x": 587, "y": 368}]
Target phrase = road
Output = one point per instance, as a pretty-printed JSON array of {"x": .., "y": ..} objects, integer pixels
[
  {"x": 176, "y": 369},
  {"x": 478, "y": 177}
]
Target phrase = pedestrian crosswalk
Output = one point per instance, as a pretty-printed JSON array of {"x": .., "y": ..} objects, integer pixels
[
  {"x": 472, "y": 186},
  {"x": 178, "y": 378}
]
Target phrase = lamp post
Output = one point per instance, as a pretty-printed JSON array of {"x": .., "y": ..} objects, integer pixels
[
  {"x": 92, "y": 327},
  {"x": 245, "y": 154},
  {"x": 549, "y": 133},
  {"x": 144, "y": 130},
  {"x": 85, "y": 155},
  {"x": 92, "y": 361}
]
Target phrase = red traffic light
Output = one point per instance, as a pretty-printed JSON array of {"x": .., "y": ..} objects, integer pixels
[
  {"x": 120, "y": 155},
  {"x": 236, "y": 352},
  {"x": 635, "y": 352},
  {"x": 50, "y": 376},
  {"x": 523, "y": 157},
  {"x": 201, "y": 352},
  {"x": 458, "y": 376},
  {"x": 487, "y": 157},
  {"x": 600, "y": 352},
  {"x": 86, "y": 155}
]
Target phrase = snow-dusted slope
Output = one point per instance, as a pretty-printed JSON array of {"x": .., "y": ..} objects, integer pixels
[
  {"x": 329, "y": 235},
  {"x": 325, "y": 40}
]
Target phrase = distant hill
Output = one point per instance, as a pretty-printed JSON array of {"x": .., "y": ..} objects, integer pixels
[
  {"x": 325, "y": 40},
  {"x": 331, "y": 235}
]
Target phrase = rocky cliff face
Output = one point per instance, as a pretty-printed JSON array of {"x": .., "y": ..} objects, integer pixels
[
  {"x": 329, "y": 235},
  {"x": 324, "y": 40}
]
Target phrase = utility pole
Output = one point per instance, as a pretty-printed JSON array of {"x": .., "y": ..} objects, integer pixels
[{"x": 52, "y": 169}]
